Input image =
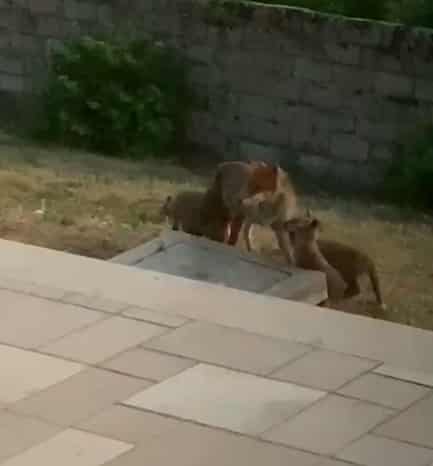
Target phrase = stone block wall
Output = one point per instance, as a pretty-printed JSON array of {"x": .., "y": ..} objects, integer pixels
[{"x": 333, "y": 95}]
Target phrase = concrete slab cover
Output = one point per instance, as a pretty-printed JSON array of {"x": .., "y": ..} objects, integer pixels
[{"x": 178, "y": 253}]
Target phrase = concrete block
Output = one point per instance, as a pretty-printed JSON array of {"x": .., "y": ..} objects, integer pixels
[
  {"x": 301, "y": 130},
  {"x": 12, "y": 83},
  {"x": 393, "y": 85},
  {"x": 378, "y": 132},
  {"x": 285, "y": 88},
  {"x": 252, "y": 151},
  {"x": 424, "y": 90},
  {"x": 318, "y": 142},
  {"x": 381, "y": 153},
  {"x": 347, "y": 54},
  {"x": 328, "y": 98},
  {"x": 105, "y": 14},
  {"x": 43, "y": 6},
  {"x": 374, "y": 59},
  {"x": 11, "y": 65},
  {"x": 80, "y": 10},
  {"x": 49, "y": 26},
  {"x": 349, "y": 147},
  {"x": 258, "y": 106},
  {"x": 314, "y": 165},
  {"x": 313, "y": 70},
  {"x": 422, "y": 68},
  {"x": 200, "y": 53},
  {"x": 366, "y": 33},
  {"x": 266, "y": 107},
  {"x": 353, "y": 80},
  {"x": 334, "y": 122},
  {"x": 263, "y": 131}
]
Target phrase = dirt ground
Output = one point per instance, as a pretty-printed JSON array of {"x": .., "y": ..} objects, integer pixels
[{"x": 94, "y": 206}]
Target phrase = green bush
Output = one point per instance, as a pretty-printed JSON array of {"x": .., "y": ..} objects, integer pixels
[
  {"x": 117, "y": 97},
  {"x": 372, "y": 9},
  {"x": 409, "y": 180},
  {"x": 412, "y": 12}
]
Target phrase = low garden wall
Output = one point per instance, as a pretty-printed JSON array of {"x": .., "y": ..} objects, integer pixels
[{"x": 333, "y": 95}]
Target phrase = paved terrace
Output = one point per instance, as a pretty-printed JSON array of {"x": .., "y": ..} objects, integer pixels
[{"x": 102, "y": 363}]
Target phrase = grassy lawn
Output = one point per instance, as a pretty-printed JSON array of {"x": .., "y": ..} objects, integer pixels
[{"x": 99, "y": 207}]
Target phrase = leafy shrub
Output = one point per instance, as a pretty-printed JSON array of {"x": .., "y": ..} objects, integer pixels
[
  {"x": 413, "y": 12},
  {"x": 117, "y": 97},
  {"x": 372, "y": 9},
  {"x": 410, "y": 175}
]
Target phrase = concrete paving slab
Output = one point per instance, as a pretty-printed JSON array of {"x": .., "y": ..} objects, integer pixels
[
  {"x": 18, "y": 433},
  {"x": 31, "y": 288},
  {"x": 193, "y": 445},
  {"x": 69, "y": 448},
  {"x": 419, "y": 377},
  {"x": 79, "y": 397},
  {"x": 155, "y": 317},
  {"x": 131, "y": 425},
  {"x": 386, "y": 391},
  {"x": 103, "y": 340},
  {"x": 29, "y": 322},
  {"x": 228, "y": 347},
  {"x": 413, "y": 425},
  {"x": 148, "y": 364},
  {"x": 329, "y": 425},
  {"x": 378, "y": 451},
  {"x": 95, "y": 302},
  {"x": 225, "y": 398},
  {"x": 221, "y": 398},
  {"x": 325, "y": 370},
  {"x": 332, "y": 462},
  {"x": 24, "y": 373}
]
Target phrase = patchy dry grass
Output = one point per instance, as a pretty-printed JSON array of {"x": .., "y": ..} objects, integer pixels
[
  {"x": 99, "y": 207},
  {"x": 93, "y": 205}
]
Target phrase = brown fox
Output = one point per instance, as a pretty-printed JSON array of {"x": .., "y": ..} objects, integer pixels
[
  {"x": 233, "y": 182},
  {"x": 352, "y": 264},
  {"x": 272, "y": 210},
  {"x": 184, "y": 212},
  {"x": 308, "y": 255}
]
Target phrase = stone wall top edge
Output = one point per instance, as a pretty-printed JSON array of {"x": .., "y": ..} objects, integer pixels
[{"x": 234, "y": 13}]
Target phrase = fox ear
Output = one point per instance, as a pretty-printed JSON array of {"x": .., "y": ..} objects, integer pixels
[
  {"x": 316, "y": 224},
  {"x": 275, "y": 168},
  {"x": 308, "y": 213}
]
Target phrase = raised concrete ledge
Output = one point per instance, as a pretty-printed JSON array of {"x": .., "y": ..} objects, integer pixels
[{"x": 178, "y": 253}]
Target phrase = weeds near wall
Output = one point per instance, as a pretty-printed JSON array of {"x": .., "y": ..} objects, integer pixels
[
  {"x": 117, "y": 97},
  {"x": 410, "y": 175}
]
